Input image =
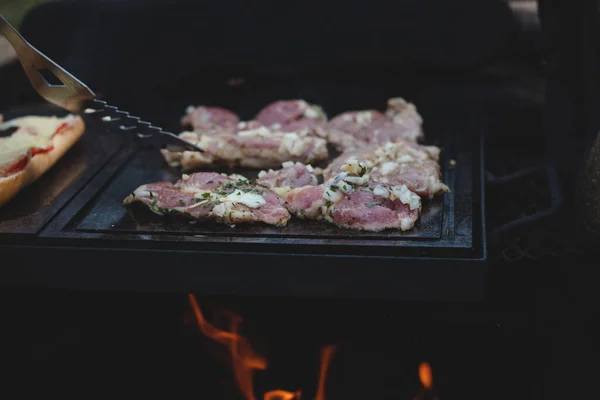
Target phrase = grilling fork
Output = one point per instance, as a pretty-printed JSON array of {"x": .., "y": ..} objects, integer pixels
[{"x": 74, "y": 96}]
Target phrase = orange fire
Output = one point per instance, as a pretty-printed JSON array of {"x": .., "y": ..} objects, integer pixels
[
  {"x": 425, "y": 375},
  {"x": 326, "y": 356},
  {"x": 245, "y": 360},
  {"x": 282, "y": 395},
  {"x": 426, "y": 378}
]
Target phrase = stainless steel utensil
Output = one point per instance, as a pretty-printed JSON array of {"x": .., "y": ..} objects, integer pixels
[{"x": 73, "y": 95}]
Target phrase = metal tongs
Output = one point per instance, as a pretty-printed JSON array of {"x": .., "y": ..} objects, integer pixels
[{"x": 74, "y": 96}]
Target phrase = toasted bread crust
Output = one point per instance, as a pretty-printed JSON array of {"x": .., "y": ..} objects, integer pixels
[{"x": 11, "y": 185}]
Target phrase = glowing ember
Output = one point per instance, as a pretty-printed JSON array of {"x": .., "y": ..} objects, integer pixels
[
  {"x": 282, "y": 395},
  {"x": 426, "y": 378},
  {"x": 425, "y": 375}
]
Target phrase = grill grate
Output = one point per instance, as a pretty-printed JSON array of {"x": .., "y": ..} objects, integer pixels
[{"x": 523, "y": 207}]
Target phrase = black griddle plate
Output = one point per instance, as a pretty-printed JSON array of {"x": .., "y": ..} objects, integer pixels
[
  {"x": 101, "y": 244},
  {"x": 108, "y": 215}
]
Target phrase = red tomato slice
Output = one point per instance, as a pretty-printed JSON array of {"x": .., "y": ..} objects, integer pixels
[
  {"x": 18, "y": 166},
  {"x": 37, "y": 150},
  {"x": 61, "y": 128}
]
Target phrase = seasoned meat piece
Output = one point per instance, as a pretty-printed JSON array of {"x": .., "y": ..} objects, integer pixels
[
  {"x": 356, "y": 203},
  {"x": 354, "y": 129},
  {"x": 292, "y": 175},
  {"x": 403, "y": 162},
  {"x": 208, "y": 195},
  {"x": 210, "y": 120},
  {"x": 357, "y": 129},
  {"x": 249, "y": 125},
  {"x": 293, "y": 116},
  {"x": 405, "y": 114},
  {"x": 251, "y": 147}
]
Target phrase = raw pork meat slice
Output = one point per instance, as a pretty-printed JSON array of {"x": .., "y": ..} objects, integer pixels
[
  {"x": 251, "y": 147},
  {"x": 357, "y": 129},
  {"x": 210, "y": 120},
  {"x": 293, "y": 116},
  {"x": 290, "y": 176},
  {"x": 405, "y": 114},
  {"x": 208, "y": 195},
  {"x": 403, "y": 162},
  {"x": 356, "y": 203}
]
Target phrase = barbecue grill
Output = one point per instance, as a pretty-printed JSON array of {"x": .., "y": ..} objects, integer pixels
[
  {"x": 472, "y": 285},
  {"x": 94, "y": 221}
]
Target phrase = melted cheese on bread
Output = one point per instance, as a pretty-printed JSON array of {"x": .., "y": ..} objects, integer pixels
[{"x": 33, "y": 132}]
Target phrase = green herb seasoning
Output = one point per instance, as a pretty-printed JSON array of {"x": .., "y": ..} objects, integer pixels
[
  {"x": 181, "y": 202},
  {"x": 363, "y": 169},
  {"x": 371, "y": 204}
]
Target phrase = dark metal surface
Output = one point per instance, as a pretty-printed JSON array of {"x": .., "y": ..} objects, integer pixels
[
  {"x": 104, "y": 266},
  {"x": 35, "y": 205},
  {"x": 525, "y": 207}
]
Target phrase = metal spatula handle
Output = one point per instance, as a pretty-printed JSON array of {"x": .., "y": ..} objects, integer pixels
[{"x": 73, "y": 95}]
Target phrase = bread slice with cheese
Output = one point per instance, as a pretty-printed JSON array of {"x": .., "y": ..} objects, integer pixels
[{"x": 37, "y": 143}]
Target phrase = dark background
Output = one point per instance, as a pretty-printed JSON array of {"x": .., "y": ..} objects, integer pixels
[
  {"x": 538, "y": 92},
  {"x": 156, "y": 56}
]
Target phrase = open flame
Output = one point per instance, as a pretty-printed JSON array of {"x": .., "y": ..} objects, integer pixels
[
  {"x": 282, "y": 395},
  {"x": 425, "y": 375},
  {"x": 245, "y": 360},
  {"x": 326, "y": 356},
  {"x": 426, "y": 378}
]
